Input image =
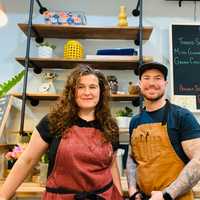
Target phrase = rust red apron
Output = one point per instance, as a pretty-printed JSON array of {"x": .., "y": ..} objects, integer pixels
[{"x": 83, "y": 163}]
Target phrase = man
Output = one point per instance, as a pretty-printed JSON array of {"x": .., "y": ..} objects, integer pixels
[{"x": 164, "y": 162}]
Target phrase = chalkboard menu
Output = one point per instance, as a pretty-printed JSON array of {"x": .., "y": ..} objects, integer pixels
[{"x": 186, "y": 59}]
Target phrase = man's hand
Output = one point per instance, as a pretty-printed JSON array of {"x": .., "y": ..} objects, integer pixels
[
  {"x": 156, "y": 195},
  {"x": 136, "y": 196}
]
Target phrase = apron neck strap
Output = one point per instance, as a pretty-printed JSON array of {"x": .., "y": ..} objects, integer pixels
[{"x": 166, "y": 111}]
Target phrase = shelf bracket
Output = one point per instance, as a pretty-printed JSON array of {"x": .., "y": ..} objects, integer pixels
[
  {"x": 42, "y": 9},
  {"x": 27, "y": 60},
  {"x": 137, "y": 40},
  {"x": 136, "y": 70},
  {"x": 38, "y": 38},
  {"x": 36, "y": 69},
  {"x": 136, "y": 101},
  {"x": 33, "y": 101},
  {"x": 136, "y": 11},
  {"x": 26, "y": 65}
]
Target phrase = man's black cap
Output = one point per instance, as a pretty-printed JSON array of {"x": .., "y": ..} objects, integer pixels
[{"x": 153, "y": 65}]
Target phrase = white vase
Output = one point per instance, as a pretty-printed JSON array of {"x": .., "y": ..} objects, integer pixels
[
  {"x": 45, "y": 52},
  {"x": 123, "y": 122}
]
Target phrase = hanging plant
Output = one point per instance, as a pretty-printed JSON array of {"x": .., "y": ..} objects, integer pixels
[{"x": 6, "y": 86}]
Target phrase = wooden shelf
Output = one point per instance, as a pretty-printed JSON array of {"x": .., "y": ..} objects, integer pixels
[
  {"x": 5, "y": 147},
  {"x": 61, "y": 63},
  {"x": 38, "y": 96},
  {"x": 124, "y": 130},
  {"x": 86, "y": 32},
  {"x": 123, "y": 97},
  {"x": 28, "y": 190},
  {"x": 52, "y": 97}
]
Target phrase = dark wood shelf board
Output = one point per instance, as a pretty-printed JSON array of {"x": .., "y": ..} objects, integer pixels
[
  {"x": 5, "y": 147},
  {"x": 87, "y": 32},
  {"x": 38, "y": 96},
  {"x": 53, "y": 97},
  {"x": 61, "y": 63},
  {"x": 121, "y": 97}
]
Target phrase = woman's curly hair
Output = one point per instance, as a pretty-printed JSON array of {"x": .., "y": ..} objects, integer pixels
[{"x": 65, "y": 112}]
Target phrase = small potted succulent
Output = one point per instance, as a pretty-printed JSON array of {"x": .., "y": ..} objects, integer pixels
[
  {"x": 123, "y": 117},
  {"x": 45, "y": 50}
]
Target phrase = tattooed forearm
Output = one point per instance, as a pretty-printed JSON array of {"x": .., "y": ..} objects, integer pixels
[
  {"x": 188, "y": 177},
  {"x": 131, "y": 170}
]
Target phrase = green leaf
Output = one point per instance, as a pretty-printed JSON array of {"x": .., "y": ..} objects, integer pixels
[
  {"x": 46, "y": 44},
  {"x": 45, "y": 158},
  {"x": 126, "y": 112},
  {"x": 6, "y": 86}
]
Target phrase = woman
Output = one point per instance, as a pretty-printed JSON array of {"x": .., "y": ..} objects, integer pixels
[{"x": 82, "y": 140}]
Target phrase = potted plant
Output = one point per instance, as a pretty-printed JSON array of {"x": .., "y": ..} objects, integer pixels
[
  {"x": 123, "y": 117},
  {"x": 45, "y": 50}
]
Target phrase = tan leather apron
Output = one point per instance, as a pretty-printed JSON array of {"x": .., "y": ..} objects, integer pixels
[{"x": 158, "y": 164}]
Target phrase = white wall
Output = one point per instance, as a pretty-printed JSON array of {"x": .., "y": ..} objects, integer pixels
[{"x": 157, "y": 13}]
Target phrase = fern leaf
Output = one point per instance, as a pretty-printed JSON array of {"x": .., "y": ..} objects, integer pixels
[{"x": 6, "y": 86}]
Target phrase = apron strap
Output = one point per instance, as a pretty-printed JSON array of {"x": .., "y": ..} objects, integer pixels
[
  {"x": 166, "y": 111},
  {"x": 87, "y": 195},
  {"x": 81, "y": 195},
  {"x": 52, "y": 152}
]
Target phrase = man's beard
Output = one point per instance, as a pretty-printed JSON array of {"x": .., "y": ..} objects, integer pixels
[{"x": 153, "y": 99}]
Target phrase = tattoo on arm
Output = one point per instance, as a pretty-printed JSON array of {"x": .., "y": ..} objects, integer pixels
[
  {"x": 131, "y": 172},
  {"x": 188, "y": 177}
]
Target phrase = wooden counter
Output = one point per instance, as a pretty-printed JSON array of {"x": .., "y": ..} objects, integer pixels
[{"x": 30, "y": 190}]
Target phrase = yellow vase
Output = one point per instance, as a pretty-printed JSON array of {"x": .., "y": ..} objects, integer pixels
[
  {"x": 122, "y": 17},
  {"x": 73, "y": 50}
]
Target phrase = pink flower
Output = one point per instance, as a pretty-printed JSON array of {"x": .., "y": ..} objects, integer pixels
[{"x": 15, "y": 153}]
